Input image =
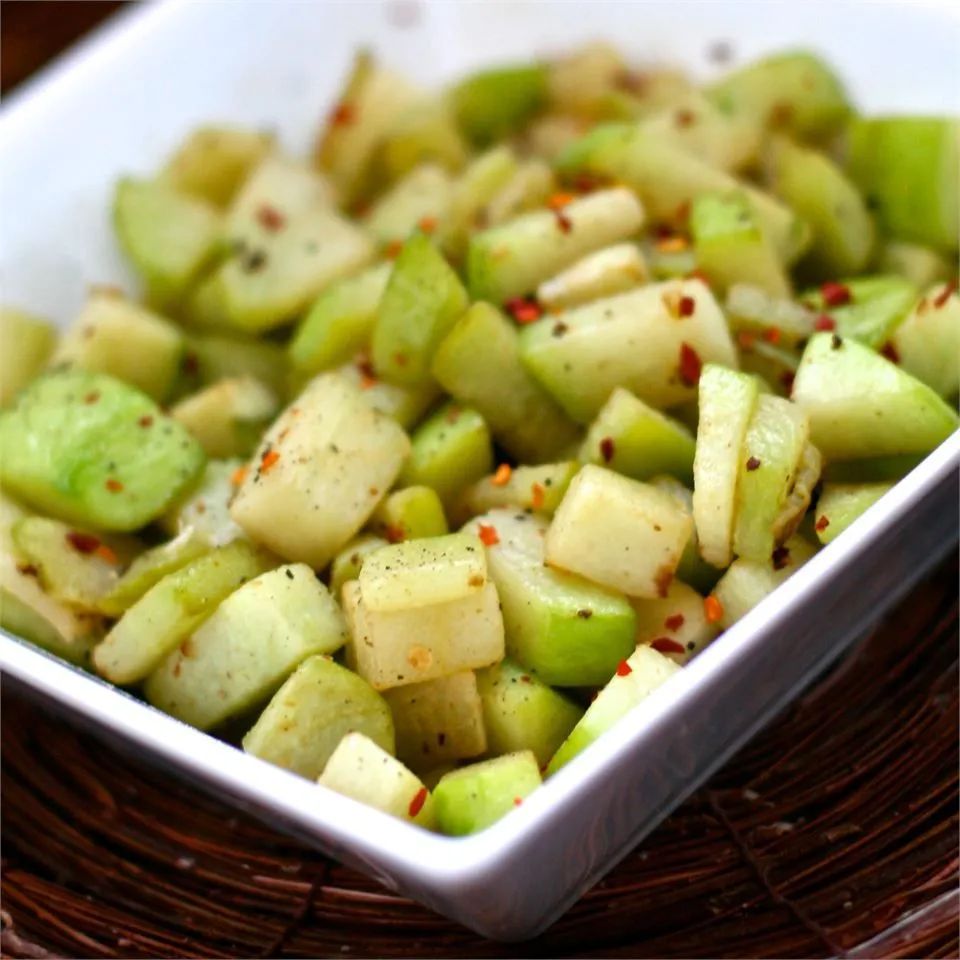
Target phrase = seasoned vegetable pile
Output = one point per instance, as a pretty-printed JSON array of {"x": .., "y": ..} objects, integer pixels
[{"x": 426, "y": 459}]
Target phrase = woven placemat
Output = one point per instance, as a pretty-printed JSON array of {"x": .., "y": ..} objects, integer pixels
[{"x": 835, "y": 833}]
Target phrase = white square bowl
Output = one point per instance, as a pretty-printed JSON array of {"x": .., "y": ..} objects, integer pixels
[{"x": 121, "y": 100}]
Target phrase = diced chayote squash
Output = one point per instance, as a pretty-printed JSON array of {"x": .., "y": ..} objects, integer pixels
[
  {"x": 795, "y": 91},
  {"x": 359, "y": 122},
  {"x": 530, "y": 187},
  {"x": 907, "y": 170},
  {"x": 348, "y": 563},
  {"x": 423, "y": 573},
  {"x": 406, "y": 404},
  {"x": 170, "y": 611},
  {"x": 727, "y": 402},
  {"x": 312, "y": 712},
  {"x": 169, "y": 236},
  {"x": 491, "y": 104},
  {"x": 921, "y": 265},
  {"x": 842, "y": 503},
  {"x": 675, "y": 625},
  {"x": 730, "y": 246},
  {"x": 754, "y": 312},
  {"x": 449, "y": 451},
  {"x": 770, "y": 461},
  {"x": 205, "y": 508},
  {"x": 579, "y": 81},
  {"x": 535, "y": 489},
  {"x": 228, "y": 418},
  {"x": 634, "y": 439},
  {"x": 75, "y": 567},
  {"x": 607, "y": 272},
  {"x": 635, "y": 679},
  {"x": 213, "y": 162},
  {"x": 115, "y": 336},
  {"x": 928, "y": 340},
  {"x": 652, "y": 341},
  {"x": 426, "y": 132},
  {"x": 338, "y": 325},
  {"x": 438, "y": 720},
  {"x": 513, "y": 259},
  {"x": 568, "y": 630},
  {"x": 319, "y": 473},
  {"x": 364, "y": 771},
  {"x": 520, "y": 712},
  {"x": 474, "y": 797},
  {"x": 618, "y": 532},
  {"x": 213, "y": 357},
  {"x": 247, "y": 647},
  {"x": 818, "y": 190},
  {"x": 411, "y": 513},
  {"x": 396, "y": 647},
  {"x": 26, "y": 343},
  {"x": 747, "y": 582},
  {"x": 419, "y": 201},
  {"x": 422, "y": 301},
  {"x": 479, "y": 364},
  {"x": 94, "y": 451},
  {"x": 862, "y": 405}
]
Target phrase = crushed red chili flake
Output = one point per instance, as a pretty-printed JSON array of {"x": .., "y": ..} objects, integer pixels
[
  {"x": 559, "y": 200},
  {"x": 145, "y": 421},
  {"x": 416, "y": 804},
  {"x": 113, "y": 485},
  {"x": 822, "y": 524},
  {"x": 780, "y": 558},
  {"x": 392, "y": 249},
  {"x": 624, "y": 669},
  {"x": 343, "y": 114},
  {"x": 674, "y": 622},
  {"x": 698, "y": 274},
  {"x": 537, "y": 493},
  {"x": 684, "y": 118},
  {"x": 781, "y": 114},
  {"x": 587, "y": 182},
  {"x": 523, "y": 310},
  {"x": 502, "y": 477},
  {"x": 772, "y": 335},
  {"x": 92, "y": 397},
  {"x": 106, "y": 554},
  {"x": 488, "y": 535},
  {"x": 394, "y": 533},
  {"x": 824, "y": 323},
  {"x": 753, "y": 463},
  {"x": 238, "y": 476},
  {"x": 835, "y": 294},
  {"x": 268, "y": 460},
  {"x": 526, "y": 678},
  {"x": 712, "y": 609},
  {"x": 746, "y": 340},
  {"x": 476, "y": 580},
  {"x": 400, "y": 359},
  {"x": 666, "y": 645},
  {"x": 427, "y": 224},
  {"x": 517, "y": 801},
  {"x": 270, "y": 218},
  {"x": 943, "y": 296},
  {"x": 690, "y": 365},
  {"x": 82, "y": 542},
  {"x": 607, "y": 449},
  {"x": 682, "y": 213},
  {"x": 453, "y": 414},
  {"x": 686, "y": 306},
  {"x": 672, "y": 243},
  {"x": 889, "y": 351},
  {"x": 564, "y": 223}
]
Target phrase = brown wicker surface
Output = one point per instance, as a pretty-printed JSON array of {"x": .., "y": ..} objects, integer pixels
[{"x": 818, "y": 839}]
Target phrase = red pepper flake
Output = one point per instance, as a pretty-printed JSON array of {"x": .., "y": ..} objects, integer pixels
[
  {"x": 368, "y": 376},
  {"x": 83, "y": 542},
  {"x": 666, "y": 645},
  {"x": 92, "y": 397},
  {"x": 672, "y": 243},
  {"x": 269, "y": 460},
  {"x": 453, "y": 414},
  {"x": 476, "y": 580},
  {"x": 624, "y": 669},
  {"x": 559, "y": 200},
  {"x": 564, "y": 223},
  {"x": 113, "y": 485},
  {"x": 343, "y": 114},
  {"x": 401, "y": 359},
  {"x": 824, "y": 323},
  {"x": 772, "y": 335},
  {"x": 698, "y": 274},
  {"x": 746, "y": 340},
  {"x": 712, "y": 609},
  {"x": 587, "y": 182},
  {"x": 392, "y": 249},
  {"x": 781, "y": 114},
  {"x": 106, "y": 555},
  {"x": 502, "y": 477},
  {"x": 684, "y": 118},
  {"x": 682, "y": 213},
  {"x": 607, "y": 449},
  {"x": 416, "y": 804},
  {"x": 835, "y": 294},
  {"x": 523, "y": 310},
  {"x": 427, "y": 224},
  {"x": 238, "y": 476},
  {"x": 674, "y": 622},
  {"x": 940, "y": 300},
  {"x": 889, "y": 351},
  {"x": 394, "y": 533},
  {"x": 690, "y": 365},
  {"x": 753, "y": 464},
  {"x": 517, "y": 801},
  {"x": 145, "y": 421},
  {"x": 488, "y": 535},
  {"x": 526, "y": 678},
  {"x": 780, "y": 558},
  {"x": 270, "y": 218},
  {"x": 822, "y": 523},
  {"x": 686, "y": 306},
  {"x": 537, "y": 493}
]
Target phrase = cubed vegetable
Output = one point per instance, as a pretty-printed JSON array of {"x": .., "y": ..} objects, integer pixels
[
  {"x": 532, "y": 489},
  {"x": 607, "y": 272},
  {"x": 841, "y": 503},
  {"x": 675, "y": 625},
  {"x": 493, "y": 103},
  {"x": 26, "y": 343},
  {"x": 927, "y": 342},
  {"x": 410, "y": 514},
  {"x": 419, "y": 201}
]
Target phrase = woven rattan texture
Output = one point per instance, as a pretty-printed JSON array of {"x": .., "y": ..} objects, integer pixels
[{"x": 833, "y": 833}]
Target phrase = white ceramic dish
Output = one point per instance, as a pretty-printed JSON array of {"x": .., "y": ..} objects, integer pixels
[{"x": 122, "y": 99}]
